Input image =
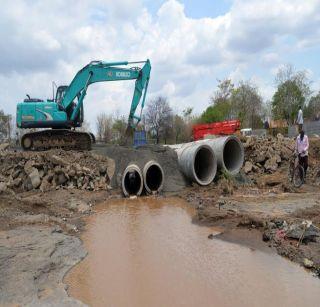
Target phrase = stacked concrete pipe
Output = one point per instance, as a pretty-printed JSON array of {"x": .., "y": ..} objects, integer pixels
[
  {"x": 153, "y": 177},
  {"x": 132, "y": 180},
  {"x": 228, "y": 151},
  {"x": 197, "y": 162}
]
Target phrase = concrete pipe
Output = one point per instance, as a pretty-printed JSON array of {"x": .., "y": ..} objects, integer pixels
[
  {"x": 197, "y": 162},
  {"x": 153, "y": 177},
  {"x": 229, "y": 152},
  {"x": 132, "y": 181}
]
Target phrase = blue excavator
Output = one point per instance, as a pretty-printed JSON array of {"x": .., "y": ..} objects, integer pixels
[{"x": 64, "y": 113}]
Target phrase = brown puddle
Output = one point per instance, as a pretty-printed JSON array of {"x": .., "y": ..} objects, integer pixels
[{"x": 146, "y": 252}]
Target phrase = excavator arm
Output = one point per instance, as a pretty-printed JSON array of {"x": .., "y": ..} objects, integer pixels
[{"x": 99, "y": 71}]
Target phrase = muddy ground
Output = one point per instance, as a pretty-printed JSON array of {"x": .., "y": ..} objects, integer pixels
[
  {"x": 281, "y": 217},
  {"x": 40, "y": 231}
]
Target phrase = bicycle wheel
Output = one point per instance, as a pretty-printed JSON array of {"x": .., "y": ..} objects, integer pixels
[
  {"x": 291, "y": 171},
  {"x": 298, "y": 176}
]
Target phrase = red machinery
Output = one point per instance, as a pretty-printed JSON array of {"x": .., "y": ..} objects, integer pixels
[{"x": 219, "y": 128}]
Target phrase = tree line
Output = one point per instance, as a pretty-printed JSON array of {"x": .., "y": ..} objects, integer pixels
[
  {"x": 244, "y": 102},
  {"x": 241, "y": 101},
  {"x": 159, "y": 121}
]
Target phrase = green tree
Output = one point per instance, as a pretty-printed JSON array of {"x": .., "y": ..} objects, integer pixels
[
  {"x": 247, "y": 104},
  {"x": 215, "y": 113},
  {"x": 312, "y": 110},
  {"x": 220, "y": 108},
  {"x": 159, "y": 118},
  {"x": 5, "y": 125},
  {"x": 119, "y": 128},
  {"x": 179, "y": 128},
  {"x": 286, "y": 101},
  {"x": 229, "y": 102},
  {"x": 293, "y": 90}
]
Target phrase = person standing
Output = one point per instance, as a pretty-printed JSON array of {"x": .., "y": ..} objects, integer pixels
[
  {"x": 300, "y": 119},
  {"x": 302, "y": 147}
]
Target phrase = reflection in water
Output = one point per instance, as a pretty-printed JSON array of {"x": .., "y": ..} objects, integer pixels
[{"x": 146, "y": 252}]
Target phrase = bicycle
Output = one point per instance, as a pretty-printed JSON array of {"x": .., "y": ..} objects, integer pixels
[{"x": 296, "y": 171}]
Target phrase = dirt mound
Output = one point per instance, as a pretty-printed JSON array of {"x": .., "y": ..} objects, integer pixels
[{"x": 24, "y": 171}]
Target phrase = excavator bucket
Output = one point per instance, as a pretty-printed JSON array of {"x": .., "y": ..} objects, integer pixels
[{"x": 128, "y": 137}]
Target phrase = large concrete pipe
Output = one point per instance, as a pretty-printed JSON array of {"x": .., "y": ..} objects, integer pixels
[
  {"x": 229, "y": 152},
  {"x": 197, "y": 162},
  {"x": 132, "y": 181},
  {"x": 153, "y": 177}
]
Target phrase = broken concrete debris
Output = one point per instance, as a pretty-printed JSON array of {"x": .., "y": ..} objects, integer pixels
[
  {"x": 25, "y": 171},
  {"x": 266, "y": 154}
]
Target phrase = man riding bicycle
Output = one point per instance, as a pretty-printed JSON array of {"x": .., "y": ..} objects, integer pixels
[{"x": 302, "y": 146}]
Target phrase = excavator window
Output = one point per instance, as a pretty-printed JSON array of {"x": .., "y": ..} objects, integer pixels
[{"x": 61, "y": 90}]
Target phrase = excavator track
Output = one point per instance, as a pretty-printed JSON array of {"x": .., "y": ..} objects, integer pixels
[{"x": 57, "y": 138}]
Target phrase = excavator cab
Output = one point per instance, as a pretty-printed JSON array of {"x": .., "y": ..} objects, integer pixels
[{"x": 61, "y": 90}]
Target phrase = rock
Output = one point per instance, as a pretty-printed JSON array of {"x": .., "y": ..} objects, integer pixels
[
  {"x": 28, "y": 167},
  {"x": 84, "y": 208},
  {"x": 3, "y": 187},
  {"x": 296, "y": 231},
  {"x": 261, "y": 157},
  {"x": 280, "y": 137},
  {"x": 4, "y": 146},
  {"x": 277, "y": 158},
  {"x": 72, "y": 173},
  {"x": 86, "y": 170},
  {"x": 308, "y": 263},
  {"x": 15, "y": 174},
  {"x": 35, "y": 178},
  {"x": 41, "y": 173},
  {"x": 79, "y": 205},
  {"x": 57, "y": 160},
  {"x": 17, "y": 182},
  {"x": 61, "y": 178},
  {"x": 286, "y": 153},
  {"x": 103, "y": 169},
  {"x": 248, "y": 167},
  {"x": 271, "y": 164},
  {"x": 91, "y": 185},
  {"x": 45, "y": 184}
]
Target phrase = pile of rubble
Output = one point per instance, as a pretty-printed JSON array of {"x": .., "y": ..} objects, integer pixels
[
  {"x": 25, "y": 171},
  {"x": 267, "y": 154}
]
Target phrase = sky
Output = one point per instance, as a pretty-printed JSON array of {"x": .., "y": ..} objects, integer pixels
[{"x": 191, "y": 44}]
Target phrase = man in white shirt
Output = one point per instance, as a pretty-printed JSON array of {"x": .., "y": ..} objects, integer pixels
[
  {"x": 300, "y": 119},
  {"x": 302, "y": 147}
]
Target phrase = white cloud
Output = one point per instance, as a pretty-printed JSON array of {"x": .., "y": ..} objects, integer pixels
[{"x": 42, "y": 41}]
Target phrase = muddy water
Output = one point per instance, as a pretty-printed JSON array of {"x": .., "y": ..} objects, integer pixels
[{"x": 146, "y": 252}]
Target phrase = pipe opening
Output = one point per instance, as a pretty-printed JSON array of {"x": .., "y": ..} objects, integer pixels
[
  {"x": 154, "y": 178},
  {"x": 132, "y": 182},
  {"x": 232, "y": 156},
  {"x": 204, "y": 165}
]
